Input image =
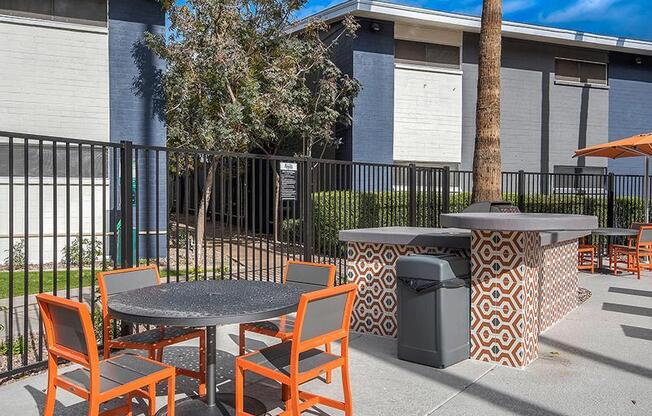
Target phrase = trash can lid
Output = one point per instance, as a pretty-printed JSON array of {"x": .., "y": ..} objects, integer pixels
[{"x": 438, "y": 267}]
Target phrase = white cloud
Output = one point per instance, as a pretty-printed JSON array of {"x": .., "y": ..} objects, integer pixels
[
  {"x": 581, "y": 10},
  {"x": 513, "y": 6}
]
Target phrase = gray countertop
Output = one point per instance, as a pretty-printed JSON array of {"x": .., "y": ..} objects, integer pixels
[
  {"x": 520, "y": 221},
  {"x": 436, "y": 237},
  {"x": 410, "y": 236}
]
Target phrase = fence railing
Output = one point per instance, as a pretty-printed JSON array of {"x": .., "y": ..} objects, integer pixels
[{"x": 73, "y": 207}]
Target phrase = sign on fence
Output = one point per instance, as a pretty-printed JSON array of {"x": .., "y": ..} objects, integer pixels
[{"x": 288, "y": 181}]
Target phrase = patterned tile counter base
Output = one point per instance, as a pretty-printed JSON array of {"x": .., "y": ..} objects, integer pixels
[
  {"x": 371, "y": 267},
  {"x": 518, "y": 290}
]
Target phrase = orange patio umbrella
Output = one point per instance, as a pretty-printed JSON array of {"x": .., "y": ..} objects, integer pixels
[{"x": 635, "y": 146}]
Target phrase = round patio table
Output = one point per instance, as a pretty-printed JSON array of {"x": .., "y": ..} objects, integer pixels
[
  {"x": 609, "y": 233},
  {"x": 206, "y": 303}
]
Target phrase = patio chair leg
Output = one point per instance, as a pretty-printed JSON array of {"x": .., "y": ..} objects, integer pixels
[
  {"x": 93, "y": 407},
  {"x": 51, "y": 395},
  {"x": 128, "y": 405},
  {"x": 329, "y": 374},
  {"x": 171, "y": 395},
  {"x": 50, "y": 399},
  {"x": 294, "y": 399},
  {"x": 346, "y": 387},
  {"x": 202, "y": 366},
  {"x": 285, "y": 396},
  {"x": 239, "y": 390},
  {"x": 242, "y": 341},
  {"x": 151, "y": 398}
]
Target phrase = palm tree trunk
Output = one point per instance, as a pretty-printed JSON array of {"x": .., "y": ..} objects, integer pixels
[{"x": 486, "y": 156}]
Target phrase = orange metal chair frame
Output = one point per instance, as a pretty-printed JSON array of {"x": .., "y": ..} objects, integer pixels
[
  {"x": 282, "y": 334},
  {"x": 154, "y": 350},
  {"x": 586, "y": 257},
  {"x": 300, "y": 401},
  {"x": 633, "y": 254},
  {"x": 91, "y": 362}
]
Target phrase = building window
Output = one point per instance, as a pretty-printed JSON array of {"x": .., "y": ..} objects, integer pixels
[
  {"x": 587, "y": 180},
  {"x": 442, "y": 56},
  {"x": 92, "y": 12},
  {"x": 581, "y": 72}
]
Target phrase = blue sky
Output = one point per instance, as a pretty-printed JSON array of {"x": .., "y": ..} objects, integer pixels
[{"x": 629, "y": 18}]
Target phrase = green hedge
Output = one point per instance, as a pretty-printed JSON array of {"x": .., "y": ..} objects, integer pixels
[{"x": 340, "y": 210}]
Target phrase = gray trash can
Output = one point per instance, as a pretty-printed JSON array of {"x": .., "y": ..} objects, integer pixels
[{"x": 433, "y": 309}]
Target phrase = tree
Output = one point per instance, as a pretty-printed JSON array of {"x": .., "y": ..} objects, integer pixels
[
  {"x": 239, "y": 79},
  {"x": 486, "y": 156}
]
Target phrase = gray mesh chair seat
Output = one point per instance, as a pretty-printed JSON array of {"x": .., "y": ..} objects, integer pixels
[
  {"x": 277, "y": 325},
  {"x": 277, "y": 358},
  {"x": 155, "y": 336},
  {"x": 116, "y": 372}
]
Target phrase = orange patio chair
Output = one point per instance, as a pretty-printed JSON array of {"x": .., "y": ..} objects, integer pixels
[
  {"x": 154, "y": 340},
  {"x": 323, "y": 317},
  {"x": 586, "y": 254},
  {"x": 311, "y": 276},
  {"x": 70, "y": 336},
  {"x": 631, "y": 254}
]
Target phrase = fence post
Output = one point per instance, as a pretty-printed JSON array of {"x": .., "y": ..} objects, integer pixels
[
  {"x": 446, "y": 190},
  {"x": 412, "y": 195},
  {"x": 611, "y": 200},
  {"x": 521, "y": 190},
  {"x": 126, "y": 199},
  {"x": 307, "y": 210}
]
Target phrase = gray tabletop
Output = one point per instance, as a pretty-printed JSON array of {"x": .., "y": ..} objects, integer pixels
[
  {"x": 205, "y": 303},
  {"x": 615, "y": 231},
  {"x": 520, "y": 221}
]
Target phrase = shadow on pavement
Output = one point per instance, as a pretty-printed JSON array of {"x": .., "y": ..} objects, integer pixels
[{"x": 637, "y": 332}]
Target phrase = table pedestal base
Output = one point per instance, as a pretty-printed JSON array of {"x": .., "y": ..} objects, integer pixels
[{"x": 224, "y": 406}]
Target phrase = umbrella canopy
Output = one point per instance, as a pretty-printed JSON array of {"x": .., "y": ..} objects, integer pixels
[{"x": 639, "y": 145}]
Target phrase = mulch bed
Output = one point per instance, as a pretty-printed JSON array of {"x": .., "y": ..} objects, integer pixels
[{"x": 583, "y": 295}]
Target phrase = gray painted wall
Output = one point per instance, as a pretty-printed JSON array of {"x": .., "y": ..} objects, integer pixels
[
  {"x": 629, "y": 100},
  {"x": 135, "y": 106},
  {"x": 373, "y": 114},
  {"x": 542, "y": 123}
]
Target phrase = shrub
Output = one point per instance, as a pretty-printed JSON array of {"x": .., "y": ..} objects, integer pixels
[
  {"x": 18, "y": 254},
  {"x": 88, "y": 255},
  {"x": 340, "y": 210},
  {"x": 17, "y": 347}
]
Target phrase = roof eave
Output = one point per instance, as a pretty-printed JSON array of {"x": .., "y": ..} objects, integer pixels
[{"x": 396, "y": 12}]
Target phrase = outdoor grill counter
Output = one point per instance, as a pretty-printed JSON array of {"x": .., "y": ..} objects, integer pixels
[{"x": 523, "y": 275}]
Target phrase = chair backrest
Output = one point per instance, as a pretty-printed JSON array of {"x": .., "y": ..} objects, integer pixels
[
  {"x": 309, "y": 276},
  {"x": 644, "y": 235},
  {"x": 323, "y": 316},
  {"x": 68, "y": 329},
  {"x": 122, "y": 280}
]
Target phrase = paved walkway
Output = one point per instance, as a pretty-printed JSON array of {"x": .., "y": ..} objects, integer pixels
[{"x": 597, "y": 361}]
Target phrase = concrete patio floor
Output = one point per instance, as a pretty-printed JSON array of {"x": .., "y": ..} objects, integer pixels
[{"x": 597, "y": 361}]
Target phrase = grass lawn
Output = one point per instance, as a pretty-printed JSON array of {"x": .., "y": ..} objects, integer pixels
[{"x": 48, "y": 281}]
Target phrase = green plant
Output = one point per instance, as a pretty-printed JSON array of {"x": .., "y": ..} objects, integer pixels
[
  {"x": 17, "y": 347},
  {"x": 82, "y": 250},
  {"x": 18, "y": 254},
  {"x": 292, "y": 229}
]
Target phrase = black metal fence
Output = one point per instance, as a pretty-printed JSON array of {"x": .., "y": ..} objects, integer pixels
[{"x": 74, "y": 207}]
